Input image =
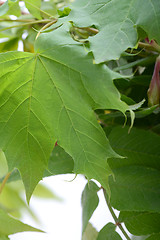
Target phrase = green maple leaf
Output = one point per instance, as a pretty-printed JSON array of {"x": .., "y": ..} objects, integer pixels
[
  {"x": 117, "y": 22},
  {"x": 48, "y": 96}
]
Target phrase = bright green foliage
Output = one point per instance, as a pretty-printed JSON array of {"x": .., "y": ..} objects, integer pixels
[
  {"x": 3, "y": 237},
  {"x": 89, "y": 202},
  {"x": 3, "y": 164},
  {"x": 46, "y": 105},
  {"x": 33, "y": 7},
  {"x": 10, "y": 225},
  {"x": 108, "y": 233},
  {"x": 117, "y": 22},
  {"x": 69, "y": 87},
  {"x": 14, "y": 8}
]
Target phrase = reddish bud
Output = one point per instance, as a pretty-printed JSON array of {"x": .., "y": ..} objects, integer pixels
[
  {"x": 154, "y": 88},
  {"x": 56, "y": 144}
]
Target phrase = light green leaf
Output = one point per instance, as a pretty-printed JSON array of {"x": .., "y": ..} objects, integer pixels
[
  {"x": 108, "y": 233},
  {"x": 140, "y": 223},
  {"x": 14, "y": 8},
  {"x": 9, "y": 45},
  {"x": 90, "y": 233},
  {"x": 135, "y": 188},
  {"x": 41, "y": 191},
  {"x": 4, "y": 8},
  {"x": 117, "y": 31},
  {"x": 139, "y": 237},
  {"x": 49, "y": 96},
  {"x": 89, "y": 202},
  {"x": 33, "y": 7},
  {"x": 3, "y": 164},
  {"x": 3, "y": 237},
  {"x": 10, "y": 225}
]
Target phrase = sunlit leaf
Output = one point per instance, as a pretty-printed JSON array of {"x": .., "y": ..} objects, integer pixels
[{"x": 51, "y": 103}]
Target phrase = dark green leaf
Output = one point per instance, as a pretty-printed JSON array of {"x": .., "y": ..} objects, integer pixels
[
  {"x": 135, "y": 188},
  {"x": 108, "y": 233},
  {"x": 140, "y": 147},
  {"x": 89, "y": 202},
  {"x": 141, "y": 223},
  {"x": 154, "y": 237}
]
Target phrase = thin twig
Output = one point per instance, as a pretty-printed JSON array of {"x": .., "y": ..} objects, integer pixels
[
  {"x": 45, "y": 27},
  {"x": 22, "y": 20},
  {"x": 149, "y": 47},
  {"x": 117, "y": 223},
  {"x": 4, "y": 181},
  {"x": 25, "y": 24}
]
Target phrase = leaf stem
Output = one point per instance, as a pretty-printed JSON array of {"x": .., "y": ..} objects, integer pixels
[
  {"x": 117, "y": 223},
  {"x": 25, "y": 24},
  {"x": 4, "y": 181},
  {"x": 21, "y": 20},
  {"x": 45, "y": 27},
  {"x": 149, "y": 47}
]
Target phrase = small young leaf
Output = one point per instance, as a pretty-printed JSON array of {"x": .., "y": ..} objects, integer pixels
[
  {"x": 89, "y": 202},
  {"x": 90, "y": 233},
  {"x": 33, "y": 7},
  {"x": 108, "y": 233}
]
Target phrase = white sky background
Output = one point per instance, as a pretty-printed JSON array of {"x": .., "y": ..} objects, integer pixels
[{"x": 62, "y": 220}]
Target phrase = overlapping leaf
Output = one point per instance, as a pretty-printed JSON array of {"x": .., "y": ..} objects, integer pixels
[
  {"x": 137, "y": 177},
  {"x": 141, "y": 223},
  {"x": 50, "y": 95},
  {"x": 89, "y": 202},
  {"x": 117, "y": 22},
  {"x": 108, "y": 233}
]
